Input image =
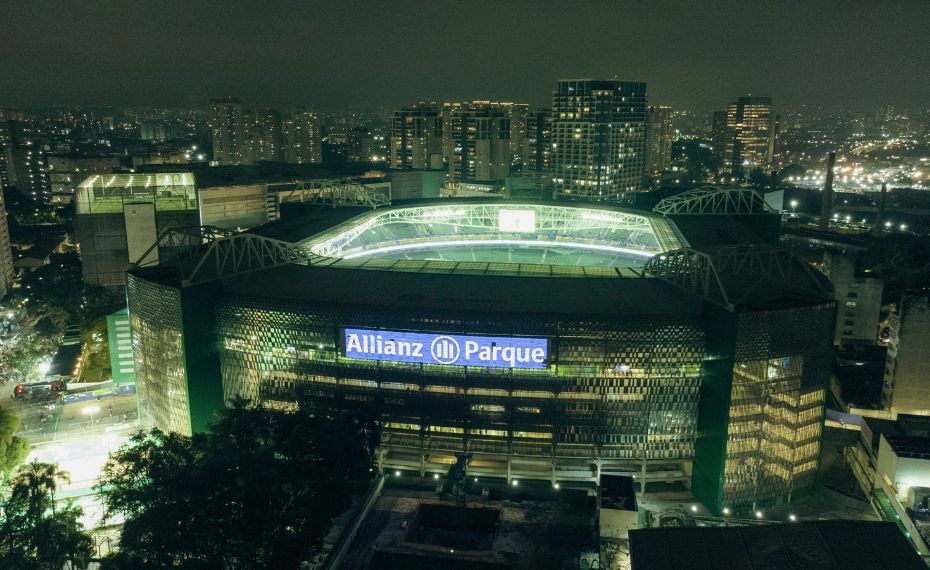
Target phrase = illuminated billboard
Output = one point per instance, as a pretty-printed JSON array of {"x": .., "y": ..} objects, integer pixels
[
  {"x": 517, "y": 221},
  {"x": 450, "y": 349}
]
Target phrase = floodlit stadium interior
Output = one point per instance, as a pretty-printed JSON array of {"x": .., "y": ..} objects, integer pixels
[{"x": 501, "y": 233}]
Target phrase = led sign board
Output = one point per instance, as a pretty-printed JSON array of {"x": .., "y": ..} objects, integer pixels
[
  {"x": 451, "y": 349},
  {"x": 517, "y": 221}
]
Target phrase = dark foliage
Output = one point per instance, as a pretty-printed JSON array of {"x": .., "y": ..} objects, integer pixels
[
  {"x": 258, "y": 491},
  {"x": 34, "y": 534}
]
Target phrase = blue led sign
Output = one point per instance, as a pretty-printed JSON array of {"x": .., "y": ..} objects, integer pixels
[{"x": 451, "y": 349}]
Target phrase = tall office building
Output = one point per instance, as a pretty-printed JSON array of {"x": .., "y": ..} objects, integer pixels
[
  {"x": 749, "y": 141},
  {"x": 599, "y": 138},
  {"x": 481, "y": 139},
  {"x": 250, "y": 139},
  {"x": 537, "y": 156},
  {"x": 263, "y": 138},
  {"x": 719, "y": 134},
  {"x": 66, "y": 171},
  {"x": 271, "y": 136},
  {"x": 6, "y": 254},
  {"x": 659, "y": 138},
  {"x": 906, "y": 386},
  {"x": 416, "y": 137},
  {"x": 4, "y": 144},
  {"x": 26, "y": 164},
  {"x": 361, "y": 145},
  {"x": 227, "y": 130},
  {"x": 302, "y": 139}
]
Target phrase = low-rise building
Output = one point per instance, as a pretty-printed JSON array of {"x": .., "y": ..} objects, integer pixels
[
  {"x": 907, "y": 381},
  {"x": 890, "y": 459},
  {"x": 858, "y": 297}
]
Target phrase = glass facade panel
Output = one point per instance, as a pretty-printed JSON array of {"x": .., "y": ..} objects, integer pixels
[
  {"x": 623, "y": 390},
  {"x": 158, "y": 346}
]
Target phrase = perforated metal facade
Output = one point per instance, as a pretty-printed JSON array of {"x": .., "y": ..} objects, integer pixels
[
  {"x": 762, "y": 406},
  {"x": 614, "y": 390},
  {"x": 158, "y": 346}
]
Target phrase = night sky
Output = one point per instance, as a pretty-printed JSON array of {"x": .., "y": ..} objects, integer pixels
[{"x": 343, "y": 54}]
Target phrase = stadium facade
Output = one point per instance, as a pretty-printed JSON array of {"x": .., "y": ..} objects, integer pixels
[{"x": 547, "y": 341}]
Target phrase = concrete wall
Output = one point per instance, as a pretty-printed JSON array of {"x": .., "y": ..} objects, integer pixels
[
  {"x": 907, "y": 381},
  {"x": 901, "y": 473}
]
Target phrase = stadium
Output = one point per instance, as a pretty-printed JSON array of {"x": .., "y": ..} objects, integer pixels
[
  {"x": 494, "y": 233},
  {"x": 546, "y": 341}
]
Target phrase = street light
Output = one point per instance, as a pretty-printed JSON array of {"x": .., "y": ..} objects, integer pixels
[
  {"x": 91, "y": 411},
  {"x": 794, "y": 205}
]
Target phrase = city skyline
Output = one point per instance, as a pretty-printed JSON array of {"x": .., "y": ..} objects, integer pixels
[
  {"x": 528, "y": 285},
  {"x": 368, "y": 56}
]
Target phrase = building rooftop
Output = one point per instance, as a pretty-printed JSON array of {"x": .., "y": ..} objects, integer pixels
[
  {"x": 157, "y": 179},
  {"x": 913, "y": 447},
  {"x": 107, "y": 193},
  {"x": 43, "y": 247},
  {"x": 408, "y": 531},
  {"x": 832, "y": 544}
]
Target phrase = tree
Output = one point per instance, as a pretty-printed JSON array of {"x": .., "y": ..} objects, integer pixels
[
  {"x": 13, "y": 449},
  {"x": 901, "y": 261},
  {"x": 792, "y": 170},
  {"x": 23, "y": 357},
  {"x": 258, "y": 491},
  {"x": 761, "y": 179},
  {"x": 34, "y": 534}
]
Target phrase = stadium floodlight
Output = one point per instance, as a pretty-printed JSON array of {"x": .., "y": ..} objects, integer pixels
[{"x": 483, "y": 242}]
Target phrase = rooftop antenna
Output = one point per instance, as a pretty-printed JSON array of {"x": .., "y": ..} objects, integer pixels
[
  {"x": 879, "y": 226},
  {"x": 826, "y": 198}
]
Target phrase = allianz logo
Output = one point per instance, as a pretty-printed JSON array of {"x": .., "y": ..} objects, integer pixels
[{"x": 445, "y": 349}]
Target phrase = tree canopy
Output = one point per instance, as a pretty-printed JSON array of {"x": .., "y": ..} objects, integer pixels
[
  {"x": 34, "y": 533},
  {"x": 13, "y": 449},
  {"x": 900, "y": 259},
  {"x": 257, "y": 491}
]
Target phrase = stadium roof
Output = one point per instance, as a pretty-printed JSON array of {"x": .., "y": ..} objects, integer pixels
[
  {"x": 820, "y": 545},
  {"x": 626, "y": 293},
  {"x": 282, "y": 257}
]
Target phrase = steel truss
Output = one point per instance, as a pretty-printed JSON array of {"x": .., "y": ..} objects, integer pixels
[
  {"x": 178, "y": 242},
  {"x": 331, "y": 192},
  {"x": 243, "y": 253},
  {"x": 205, "y": 253},
  {"x": 714, "y": 200},
  {"x": 728, "y": 275}
]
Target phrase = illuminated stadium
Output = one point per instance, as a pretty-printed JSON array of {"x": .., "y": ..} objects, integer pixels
[
  {"x": 545, "y": 341},
  {"x": 501, "y": 233}
]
